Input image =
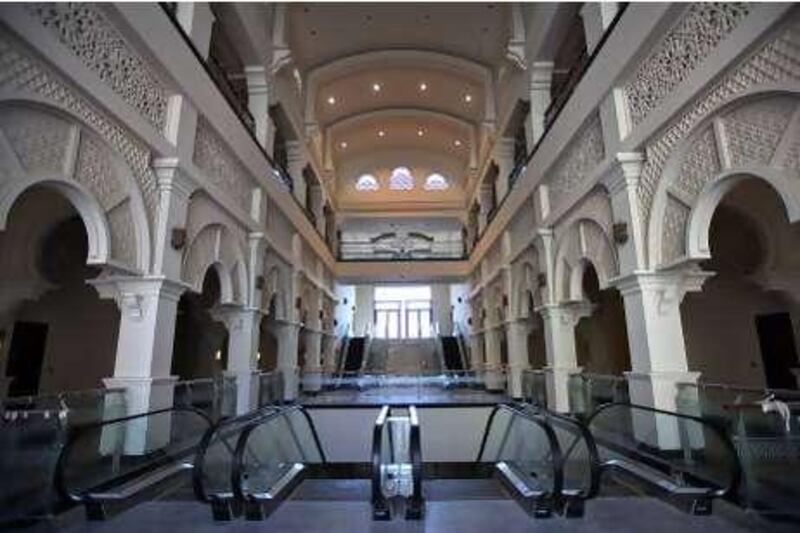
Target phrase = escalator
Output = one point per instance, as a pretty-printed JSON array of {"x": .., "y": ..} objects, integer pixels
[
  {"x": 451, "y": 350},
  {"x": 177, "y": 466}
]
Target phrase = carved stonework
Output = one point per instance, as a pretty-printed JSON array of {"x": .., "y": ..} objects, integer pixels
[
  {"x": 700, "y": 162},
  {"x": 201, "y": 253},
  {"x": 89, "y": 163},
  {"x": 83, "y": 29},
  {"x": 121, "y": 226},
  {"x": 40, "y": 141},
  {"x": 701, "y": 28},
  {"x": 749, "y": 136},
  {"x": 774, "y": 62},
  {"x": 221, "y": 166},
  {"x": 96, "y": 172},
  {"x": 21, "y": 75},
  {"x": 753, "y": 131},
  {"x": 573, "y": 167},
  {"x": 676, "y": 216}
]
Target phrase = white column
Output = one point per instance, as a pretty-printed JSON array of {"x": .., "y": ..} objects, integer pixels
[
  {"x": 517, "y": 334},
  {"x": 540, "y": 81},
  {"x": 148, "y": 308},
  {"x": 597, "y": 17},
  {"x": 562, "y": 360},
  {"x": 258, "y": 104},
  {"x": 476, "y": 359},
  {"x": 174, "y": 190},
  {"x": 658, "y": 353},
  {"x": 296, "y": 163},
  {"x": 287, "y": 335},
  {"x": 493, "y": 366},
  {"x": 243, "y": 325},
  {"x": 504, "y": 157},
  {"x": 196, "y": 19},
  {"x": 485, "y": 205},
  {"x": 622, "y": 184},
  {"x": 312, "y": 372}
]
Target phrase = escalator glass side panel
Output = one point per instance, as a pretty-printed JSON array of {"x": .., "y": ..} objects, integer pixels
[
  {"x": 99, "y": 457},
  {"x": 528, "y": 444},
  {"x": 691, "y": 451}
]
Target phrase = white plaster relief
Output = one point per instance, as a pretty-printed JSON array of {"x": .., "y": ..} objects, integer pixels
[
  {"x": 701, "y": 28},
  {"x": 221, "y": 166},
  {"x": 676, "y": 216},
  {"x": 753, "y": 132},
  {"x": 701, "y": 161},
  {"x": 573, "y": 168},
  {"x": 776, "y": 61},
  {"x": 21, "y": 74},
  {"x": 83, "y": 29},
  {"x": 26, "y": 128}
]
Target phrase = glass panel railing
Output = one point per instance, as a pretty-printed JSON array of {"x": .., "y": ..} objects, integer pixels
[
  {"x": 581, "y": 460},
  {"x": 272, "y": 453},
  {"x": 691, "y": 458},
  {"x": 763, "y": 425},
  {"x": 534, "y": 387},
  {"x": 271, "y": 388},
  {"x": 525, "y": 450},
  {"x": 587, "y": 392},
  {"x": 113, "y": 459}
]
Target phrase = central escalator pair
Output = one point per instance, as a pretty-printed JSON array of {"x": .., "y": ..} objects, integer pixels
[
  {"x": 248, "y": 465},
  {"x": 397, "y": 463},
  {"x": 548, "y": 462}
]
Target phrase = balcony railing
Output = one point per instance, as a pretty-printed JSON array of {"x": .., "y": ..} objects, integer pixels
[
  {"x": 452, "y": 250},
  {"x": 557, "y": 105},
  {"x": 223, "y": 85}
]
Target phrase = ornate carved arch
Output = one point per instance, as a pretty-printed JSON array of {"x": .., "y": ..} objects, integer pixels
[
  {"x": 215, "y": 246},
  {"x": 585, "y": 242},
  {"x": 43, "y": 146},
  {"x": 757, "y": 136}
]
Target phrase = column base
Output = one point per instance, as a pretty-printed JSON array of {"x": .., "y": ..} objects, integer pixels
[
  {"x": 659, "y": 390},
  {"x": 558, "y": 389},
  {"x": 140, "y": 395},
  {"x": 246, "y": 396}
]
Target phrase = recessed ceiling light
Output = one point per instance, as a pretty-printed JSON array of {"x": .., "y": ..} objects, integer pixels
[
  {"x": 457, "y": 142},
  {"x": 468, "y": 98},
  {"x": 343, "y": 144},
  {"x": 331, "y": 100},
  {"x": 420, "y": 132},
  {"x": 376, "y": 87},
  {"x": 381, "y": 133},
  {"x": 423, "y": 86}
]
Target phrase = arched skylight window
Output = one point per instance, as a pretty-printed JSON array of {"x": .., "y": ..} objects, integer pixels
[
  {"x": 401, "y": 179},
  {"x": 436, "y": 182},
  {"x": 367, "y": 182}
]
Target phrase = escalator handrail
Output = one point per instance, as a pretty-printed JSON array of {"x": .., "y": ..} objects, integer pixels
[
  {"x": 735, "y": 473},
  {"x": 584, "y": 434},
  {"x": 555, "y": 448},
  {"x": 237, "y": 470},
  {"x": 198, "y": 473},
  {"x": 377, "y": 444},
  {"x": 415, "y": 454},
  {"x": 76, "y": 432}
]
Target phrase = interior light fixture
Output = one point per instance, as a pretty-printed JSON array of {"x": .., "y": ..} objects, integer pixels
[
  {"x": 423, "y": 86},
  {"x": 376, "y": 87},
  {"x": 258, "y": 356},
  {"x": 468, "y": 98},
  {"x": 457, "y": 142},
  {"x": 218, "y": 355},
  {"x": 331, "y": 100},
  {"x": 420, "y": 132},
  {"x": 343, "y": 145},
  {"x": 381, "y": 133}
]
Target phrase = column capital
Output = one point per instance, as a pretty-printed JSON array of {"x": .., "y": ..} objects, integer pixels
[
  {"x": 670, "y": 286},
  {"x": 541, "y": 75},
  {"x": 131, "y": 293},
  {"x": 568, "y": 314},
  {"x": 625, "y": 172},
  {"x": 172, "y": 177},
  {"x": 257, "y": 80},
  {"x": 234, "y": 315}
]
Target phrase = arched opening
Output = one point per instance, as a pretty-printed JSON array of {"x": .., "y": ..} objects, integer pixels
[
  {"x": 741, "y": 328},
  {"x": 201, "y": 343},
  {"x": 56, "y": 333},
  {"x": 601, "y": 339},
  {"x": 537, "y": 350},
  {"x": 267, "y": 345}
]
